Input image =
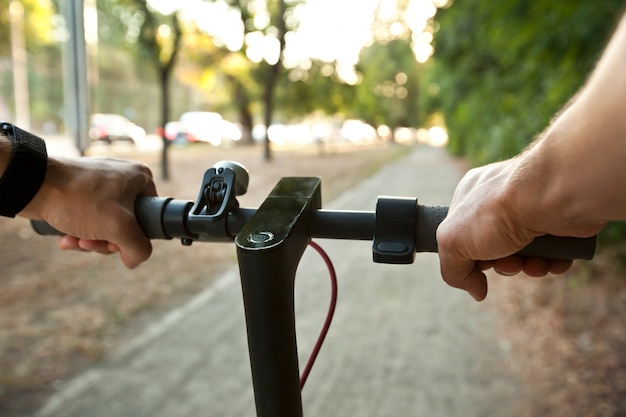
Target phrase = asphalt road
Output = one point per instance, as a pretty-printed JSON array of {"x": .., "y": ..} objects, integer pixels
[{"x": 402, "y": 343}]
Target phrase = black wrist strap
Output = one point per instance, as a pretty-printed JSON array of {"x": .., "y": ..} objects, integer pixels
[{"x": 25, "y": 172}]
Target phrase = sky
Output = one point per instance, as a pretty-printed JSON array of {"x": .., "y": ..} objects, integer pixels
[
  {"x": 329, "y": 30},
  {"x": 333, "y": 30}
]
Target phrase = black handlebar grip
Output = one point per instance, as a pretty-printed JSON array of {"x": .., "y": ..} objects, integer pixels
[
  {"x": 560, "y": 247},
  {"x": 428, "y": 219},
  {"x": 548, "y": 246},
  {"x": 149, "y": 212}
]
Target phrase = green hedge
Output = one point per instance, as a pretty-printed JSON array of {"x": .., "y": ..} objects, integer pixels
[{"x": 504, "y": 68}]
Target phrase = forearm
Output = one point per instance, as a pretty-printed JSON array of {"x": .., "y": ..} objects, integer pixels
[{"x": 576, "y": 169}]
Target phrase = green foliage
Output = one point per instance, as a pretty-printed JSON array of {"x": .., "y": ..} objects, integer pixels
[
  {"x": 119, "y": 23},
  {"x": 316, "y": 89},
  {"x": 505, "y": 68},
  {"x": 388, "y": 91},
  {"x": 43, "y": 60},
  {"x": 37, "y": 24},
  {"x": 250, "y": 85}
]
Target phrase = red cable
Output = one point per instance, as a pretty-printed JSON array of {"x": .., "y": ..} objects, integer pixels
[{"x": 329, "y": 314}]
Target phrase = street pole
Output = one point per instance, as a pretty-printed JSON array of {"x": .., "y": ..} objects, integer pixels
[
  {"x": 76, "y": 88},
  {"x": 20, "y": 65}
]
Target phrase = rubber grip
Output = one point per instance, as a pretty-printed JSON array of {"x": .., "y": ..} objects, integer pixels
[
  {"x": 427, "y": 222},
  {"x": 149, "y": 212},
  {"x": 44, "y": 229},
  {"x": 560, "y": 247},
  {"x": 548, "y": 246}
]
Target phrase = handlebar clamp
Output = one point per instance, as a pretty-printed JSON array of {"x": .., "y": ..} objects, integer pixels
[{"x": 217, "y": 194}]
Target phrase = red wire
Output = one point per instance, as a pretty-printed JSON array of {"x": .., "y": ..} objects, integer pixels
[{"x": 329, "y": 315}]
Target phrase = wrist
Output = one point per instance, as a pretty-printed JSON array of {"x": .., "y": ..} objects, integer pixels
[
  {"x": 556, "y": 185},
  {"x": 24, "y": 171},
  {"x": 535, "y": 190},
  {"x": 52, "y": 190}
]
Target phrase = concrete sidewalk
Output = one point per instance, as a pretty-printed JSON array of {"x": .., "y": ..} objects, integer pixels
[{"x": 402, "y": 342}]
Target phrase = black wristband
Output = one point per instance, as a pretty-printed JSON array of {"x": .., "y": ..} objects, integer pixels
[{"x": 25, "y": 172}]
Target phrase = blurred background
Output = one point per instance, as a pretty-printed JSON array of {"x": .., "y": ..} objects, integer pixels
[
  {"x": 219, "y": 72},
  {"x": 175, "y": 83},
  {"x": 490, "y": 74}
]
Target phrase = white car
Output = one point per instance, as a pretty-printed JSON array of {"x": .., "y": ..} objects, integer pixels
[
  {"x": 200, "y": 126},
  {"x": 111, "y": 128}
]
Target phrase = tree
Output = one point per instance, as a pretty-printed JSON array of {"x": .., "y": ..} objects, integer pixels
[
  {"x": 271, "y": 71},
  {"x": 237, "y": 73},
  {"x": 389, "y": 89},
  {"x": 28, "y": 80},
  {"x": 316, "y": 88},
  {"x": 238, "y": 70},
  {"x": 37, "y": 25},
  {"x": 154, "y": 38},
  {"x": 159, "y": 40},
  {"x": 256, "y": 78}
]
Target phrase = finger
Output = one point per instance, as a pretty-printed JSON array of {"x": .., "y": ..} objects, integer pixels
[
  {"x": 99, "y": 246},
  {"x": 559, "y": 266},
  {"x": 133, "y": 245},
  {"x": 536, "y": 267},
  {"x": 509, "y": 266},
  {"x": 475, "y": 284},
  {"x": 113, "y": 247},
  {"x": 150, "y": 190},
  {"x": 145, "y": 186},
  {"x": 458, "y": 269},
  {"x": 466, "y": 276},
  {"x": 539, "y": 267},
  {"x": 68, "y": 243},
  {"x": 485, "y": 265},
  {"x": 136, "y": 256}
]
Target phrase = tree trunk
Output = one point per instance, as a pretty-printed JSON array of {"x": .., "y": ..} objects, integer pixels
[
  {"x": 268, "y": 101},
  {"x": 272, "y": 78},
  {"x": 242, "y": 101},
  {"x": 247, "y": 124},
  {"x": 164, "y": 76}
]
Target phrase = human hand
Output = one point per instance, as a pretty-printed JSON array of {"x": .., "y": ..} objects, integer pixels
[
  {"x": 485, "y": 227},
  {"x": 570, "y": 182},
  {"x": 92, "y": 201}
]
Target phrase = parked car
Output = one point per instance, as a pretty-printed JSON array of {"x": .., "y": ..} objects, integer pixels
[
  {"x": 171, "y": 130},
  {"x": 111, "y": 128},
  {"x": 358, "y": 132},
  {"x": 231, "y": 132},
  {"x": 200, "y": 126}
]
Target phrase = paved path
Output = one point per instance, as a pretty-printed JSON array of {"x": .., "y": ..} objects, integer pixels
[{"x": 402, "y": 343}]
